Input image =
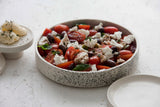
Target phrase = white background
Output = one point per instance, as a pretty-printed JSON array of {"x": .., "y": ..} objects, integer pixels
[{"x": 21, "y": 85}]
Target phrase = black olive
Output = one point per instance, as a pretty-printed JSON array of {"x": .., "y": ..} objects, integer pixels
[
  {"x": 62, "y": 35},
  {"x": 101, "y": 30},
  {"x": 63, "y": 48},
  {"x": 114, "y": 49},
  {"x": 110, "y": 63},
  {"x": 91, "y": 53},
  {"x": 133, "y": 48},
  {"x": 99, "y": 41},
  {"x": 50, "y": 38},
  {"x": 71, "y": 66}
]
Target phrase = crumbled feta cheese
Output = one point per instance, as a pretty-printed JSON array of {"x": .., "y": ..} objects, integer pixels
[
  {"x": 107, "y": 52},
  {"x": 98, "y": 26},
  {"x": 65, "y": 41},
  {"x": 94, "y": 68},
  {"x": 59, "y": 59},
  {"x": 53, "y": 33},
  {"x": 75, "y": 28},
  {"x": 119, "y": 61},
  {"x": 90, "y": 43},
  {"x": 96, "y": 36},
  {"x": 106, "y": 37},
  {"x": 114, "y": 43},
  {"x": 43, "y": 40},
  {"x": 81, "y": 58},
  {"x": 83, "y": 31},
  {"x": 116, "y": 35},
  {"x": 76, "y": 45},
  {"x": 128, "y": 39}
]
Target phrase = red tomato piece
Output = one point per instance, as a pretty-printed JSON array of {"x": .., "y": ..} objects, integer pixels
[
  {"x": 86, "y": 27},
  {"x": 46, "y": 31},
  {"x": 92, "y": 32},
  {"x": 56, "y": 40},
  {"x": 65, "y": 65},
  {"x": 103, "y": 46},
  {"x": 125, "y": 54},
  {"x": 80, "y": 37},
  {"x": 94, "y": 60},
  {"x": 71, "y": 53},
  {"x": 41, "y": 52},
  {"x": 50, "y": 57},
  {"x": 60, "y": 28},
  {"x": 110, "y": 29},
  {"x": 99, "y": 67}
]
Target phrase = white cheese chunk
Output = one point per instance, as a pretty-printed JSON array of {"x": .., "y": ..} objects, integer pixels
[
  {"x": 128, "y": 39},
  {"x": 96, "y": 36},
  {"x": 83, "y": 31},
  {"x": 59, "y": 59},
  {"x": 116, "y": 35},
  {"x": 75, "y": 28},
  {"x": 90, "y": 43},
  {"x": 98, "y": 26},
  {"x": 93, "y": 67},
  {"x": 54, "y": 33},
  {"x": 43, "y": 40},
  {"x": 76, "y": 45},
  {"x": 119, "y": 61},
  {"x": 114, "y": 43},
  {"x": 81, "y": 58},
  {"x": 65, "y": 41},
  {"x": 8, "y": 37},
  {"x": 107, "y": 52}
]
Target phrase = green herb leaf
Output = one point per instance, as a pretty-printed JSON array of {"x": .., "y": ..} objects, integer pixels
[
  {"x": 102, "y": 34},
  {"x": 81, "y": 67},
  {"x": 85, "y": 47},
  {"x": 55, "y": 52},
  {"x": 45, "y": 46}
]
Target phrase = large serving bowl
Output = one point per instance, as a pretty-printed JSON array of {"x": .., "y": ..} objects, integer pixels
[{"x": 87, "y": 79}]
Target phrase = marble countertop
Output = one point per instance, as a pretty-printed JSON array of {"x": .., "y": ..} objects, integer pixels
[{"x": 22, "y": 85}]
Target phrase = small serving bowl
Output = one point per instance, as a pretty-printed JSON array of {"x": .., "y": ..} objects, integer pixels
[{"x": 87, "y": 79}]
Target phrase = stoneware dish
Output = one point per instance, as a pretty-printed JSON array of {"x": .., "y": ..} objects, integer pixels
[
  {"x": 87, "y": 79},
  {"x": 15, "y": 50}
]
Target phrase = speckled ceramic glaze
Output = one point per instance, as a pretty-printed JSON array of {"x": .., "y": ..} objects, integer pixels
[{"x": 87, "y": 79}]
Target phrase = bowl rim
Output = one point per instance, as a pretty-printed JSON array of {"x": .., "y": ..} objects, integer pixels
[{"x": 103, "y": 70}]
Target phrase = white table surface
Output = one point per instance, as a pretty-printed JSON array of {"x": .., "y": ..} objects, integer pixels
[{"x": 21, "y": 85}]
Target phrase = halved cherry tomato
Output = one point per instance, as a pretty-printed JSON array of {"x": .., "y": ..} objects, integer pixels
[
  {"x": 41, "y": 51},
  {"x": 52, "y": 53},
  {"x": 99, "y": 67},
  {"x": 125, "y": 54},
  {"x": 92, "y": 32},
  {"x": 50, "y": 57},
  {"x": 65, "y": 65},
  {"x": 56, "y": 40},
  {"x": 46, "y": 31},
  {"x": 110, "y": 29},
  {"x": 86, "y": 27},
  {"x": 103, "y": 46},
  {"x": 71, "y": 53},
  {"x": 60, "y": 28},
  {"x": 94, "y": 60},
  {"x": 80, "y": 37}
]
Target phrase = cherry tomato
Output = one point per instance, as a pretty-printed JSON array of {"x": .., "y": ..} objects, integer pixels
[
  {"x": 125, "y": 54},
  {"x": 46, "y": 31},
  {"x": 99, "y": 67},
  {"x": 65, "y": 65},
  {"x": 41, "y": 51},
  {"x": 94, "y": 60},
  {"x": 86, "y": 27},
  {"x": 110, "y": 29},
  {"x": 103, "y": 46},
  {"x": 71, "y": 53},
  {"x": 92, "y": 32},
  {"x": 56, "y": 39},
  {"x": 80, "y": 37},
  {"x": 60, "y": 28}
]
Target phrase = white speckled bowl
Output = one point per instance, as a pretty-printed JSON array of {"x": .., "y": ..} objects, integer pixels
[{"x": 87, "y": 79}]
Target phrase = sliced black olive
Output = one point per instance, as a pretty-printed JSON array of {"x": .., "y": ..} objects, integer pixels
[
  {"x": 110, "y": 63},
  {"x": 63, "y": 48},
  {"x": 114, "y": 49},
  {"x": 71, "y": 66},
  {"x": 99, "y": 41},
  {"x": 50, "y": 38},
  {"x": 91, "y": 53},
  {"x": 101, "y": 30}
]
